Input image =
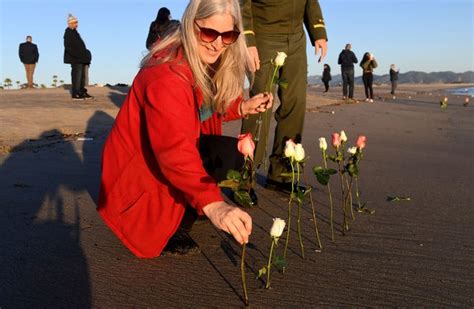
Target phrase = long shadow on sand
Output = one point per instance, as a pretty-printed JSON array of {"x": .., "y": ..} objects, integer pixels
[{"x": 43, "y": 262}]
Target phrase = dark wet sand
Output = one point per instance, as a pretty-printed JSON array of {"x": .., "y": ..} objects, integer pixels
[{"x": 55, "y": 251}]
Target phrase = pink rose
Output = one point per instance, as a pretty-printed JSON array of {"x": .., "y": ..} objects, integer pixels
[
  {"x": 336, "y": 140},
  {"x": 361, "y": 141},
  {"x": 246, "y": 145}
]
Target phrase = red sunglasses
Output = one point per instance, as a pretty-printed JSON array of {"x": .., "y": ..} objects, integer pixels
[{"x": 210, "y": 35}]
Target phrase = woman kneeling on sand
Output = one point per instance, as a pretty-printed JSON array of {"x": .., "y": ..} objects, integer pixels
[{"x": 152, "y": 169}]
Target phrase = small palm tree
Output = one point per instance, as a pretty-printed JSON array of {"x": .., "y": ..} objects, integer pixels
[
  {"x": 43, "y": 86},
  {"x": 18, "y": 83},
  {"x": 7, "y": 83},
  {"x": 61, "y": 82},
  {"x": 55, "y": 81}
]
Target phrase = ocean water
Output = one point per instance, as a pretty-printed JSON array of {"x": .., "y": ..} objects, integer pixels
[{"x": 463, "y": 91}]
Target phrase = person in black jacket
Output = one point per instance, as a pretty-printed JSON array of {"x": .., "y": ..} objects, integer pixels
[
  {"x": 76, "y": 54},
  {"x": 394, "y": 78},
  {"x": 29, "y": 56},
  {"x": 347, "y": 59},
  {"x": 160, "y": 27},
  {"x": 368, "y": 64},
  {"x": 326, "y": 76}
]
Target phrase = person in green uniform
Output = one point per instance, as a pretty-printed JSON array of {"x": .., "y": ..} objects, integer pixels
[{"x": 272, "y": 26}]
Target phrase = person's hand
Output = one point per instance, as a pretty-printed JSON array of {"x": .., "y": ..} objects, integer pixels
[
  {"x": 254, "y": 59},
  {"x": 230, "y": 219},
  {"x": 322, "y": 45},
  {"x": 257, "y": 104}
]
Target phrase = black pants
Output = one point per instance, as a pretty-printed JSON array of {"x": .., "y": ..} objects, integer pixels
[
  {"x": 78, "y": 79},
  {"x": 394, "y": 86},
  {"x": 219, "y": 154},
  {"x": 348, "y": 81},
  {"x": 326, "y": 85},
  {"x": 368, "y": 80}
]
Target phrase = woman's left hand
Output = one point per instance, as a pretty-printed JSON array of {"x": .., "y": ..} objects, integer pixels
[{"x": 257, "y": 104}]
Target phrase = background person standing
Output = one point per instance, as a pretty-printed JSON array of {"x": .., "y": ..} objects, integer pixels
[
  {"x": 347, "y": 59},
  {"x": 29, "y": 56},
  {"x": 326, "y": 76},
  {"x": 160, "y": 27},
  {"x": 76, "y": 54},
  {"x": 272, "y": 26},
  {"x": 394, "y": 79},
  {"x": 368, "y": 64}
]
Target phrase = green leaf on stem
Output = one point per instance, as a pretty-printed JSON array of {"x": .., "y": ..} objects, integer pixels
[
  {"x": 280, "y": 263},
  {"x": 261, "y": 272},
  {"x": 332, "y": 158},
  {"x": 300, "y": 196},
  {"x": 352, "y": 169},
  {"x": 364, "y": 209},
  {"x": 283, "y": 83},
  {"x": 242, "y": 198},
  {"x": 229, "y": 183},
  {"x": 308, "y": 190},
  {"x": 233, "y": 174},
  {"x": 323, "y": 174},
  {"x": 287, "y": 175}
]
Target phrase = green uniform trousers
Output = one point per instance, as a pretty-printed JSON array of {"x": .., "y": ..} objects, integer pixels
[{"x": 289, "y": 115}]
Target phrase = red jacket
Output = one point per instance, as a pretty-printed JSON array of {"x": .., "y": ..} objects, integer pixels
[{"x": 151, "y": 167}]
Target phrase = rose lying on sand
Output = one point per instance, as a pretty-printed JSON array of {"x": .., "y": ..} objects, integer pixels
[{"x": 245, "y": 145}]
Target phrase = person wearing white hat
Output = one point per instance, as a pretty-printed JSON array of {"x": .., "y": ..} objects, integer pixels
[{"x": 76, "y": 54}]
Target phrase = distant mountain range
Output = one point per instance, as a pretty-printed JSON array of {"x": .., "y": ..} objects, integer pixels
[{"x": 412, "y": 77}]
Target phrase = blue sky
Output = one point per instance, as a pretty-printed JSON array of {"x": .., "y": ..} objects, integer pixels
[{"x": 422, "y": 35}]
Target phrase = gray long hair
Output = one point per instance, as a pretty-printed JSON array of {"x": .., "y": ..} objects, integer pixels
[{"x": 222, "y": 82}]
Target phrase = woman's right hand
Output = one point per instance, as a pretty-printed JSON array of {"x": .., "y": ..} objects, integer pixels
[
  {"x": 230, "y": 219},
  {"x": 257, "y": 104}
]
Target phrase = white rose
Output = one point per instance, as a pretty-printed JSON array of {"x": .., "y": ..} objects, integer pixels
[
  {"x": 277, "y": 227},
  {"x": 299, "y": 153},
  {"x": 290, "y": 149},
  {"x": 352, "y": 150},
  {"x": 322, "y": 144},
  {"x": 343, "y": 136},
  {"x": 280, "y": 59}
]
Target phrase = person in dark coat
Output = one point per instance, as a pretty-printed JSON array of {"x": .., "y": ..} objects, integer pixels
[
  {"x": 326, "y": 76},
  {"x": 347, "y": 59},
  {"x": 76, "y": 54},
  {"x": 29, "y": 56},
  {"x": 394, "y": 78},
  {"x": 160, "y": 27},
  {"x": 368, "y": 64}
]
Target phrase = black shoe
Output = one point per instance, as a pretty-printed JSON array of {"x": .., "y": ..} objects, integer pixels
[
  {"x": 284, "y": 187},
  {"x": 77, "y": 97},
  {"x": 87, "y": 96},
  {"x": 181, "y": 244}
]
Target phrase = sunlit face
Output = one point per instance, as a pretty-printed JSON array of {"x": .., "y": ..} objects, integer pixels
[
  {"x": 73, "y": 24},
  {"x": 210, "y": 52}
]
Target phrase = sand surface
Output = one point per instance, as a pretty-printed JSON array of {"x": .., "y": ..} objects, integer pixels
[{"x": 55, "y": 251}]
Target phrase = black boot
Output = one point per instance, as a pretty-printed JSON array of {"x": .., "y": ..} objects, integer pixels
[{"x": 181, "y": 243}]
